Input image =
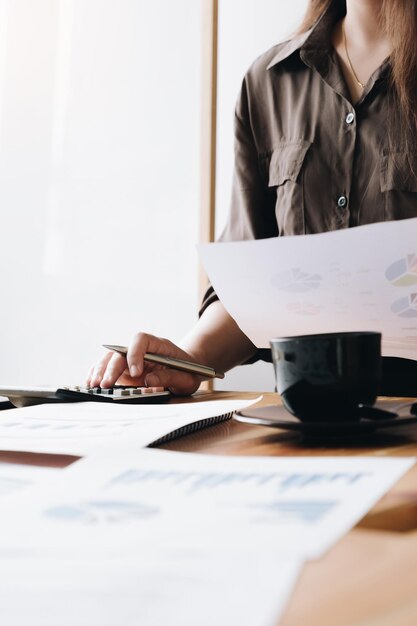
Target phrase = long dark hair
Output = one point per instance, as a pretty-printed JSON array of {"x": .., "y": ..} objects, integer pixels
[{"x": 399, "y": 18}]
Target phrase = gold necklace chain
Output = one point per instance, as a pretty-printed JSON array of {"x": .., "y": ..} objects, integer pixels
[{"x": 361, "y": 85}]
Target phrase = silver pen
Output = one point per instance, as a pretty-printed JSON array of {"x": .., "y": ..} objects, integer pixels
[{"x": 176, "y": 364}]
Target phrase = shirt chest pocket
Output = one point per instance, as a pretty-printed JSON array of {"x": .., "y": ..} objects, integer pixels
[
  {"x": 399, "y": 184},
  {"x": 284, "y": 168}
]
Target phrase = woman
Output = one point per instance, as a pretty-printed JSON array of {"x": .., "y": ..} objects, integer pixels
[{"x": 325, "y": 139}]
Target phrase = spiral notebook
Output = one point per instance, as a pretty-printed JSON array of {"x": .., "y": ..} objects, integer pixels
[{"x": 192, "y": 428}]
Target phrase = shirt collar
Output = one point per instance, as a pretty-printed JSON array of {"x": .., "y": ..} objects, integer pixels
[
  {"x": 318, "y": 37},
  {"x": 289, "y": 47}
]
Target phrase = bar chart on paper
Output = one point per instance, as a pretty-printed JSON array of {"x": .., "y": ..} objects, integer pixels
[
  {"x": 304, "y": 503},
  {"x": 199, "y": 484}
]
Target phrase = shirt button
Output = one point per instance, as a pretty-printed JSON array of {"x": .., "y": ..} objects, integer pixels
[
  {"x": 349, "y": 118},
  {"x": 342, "y": 202}
]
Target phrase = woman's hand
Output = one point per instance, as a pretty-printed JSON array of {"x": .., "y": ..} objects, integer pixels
[
  {"x": 131, "y": 369},
  {"x": 216, "y": 340}
]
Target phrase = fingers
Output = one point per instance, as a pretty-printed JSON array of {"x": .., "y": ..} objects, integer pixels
[
  {"x": 115, "y": 368},
  {"x": 97, "y": 371},
  {"x": 107, "y": 371},
  {"x": 143, "y": 343},
  {"x": 180, "y": 383},
  {"x": 133, "y": 370}
]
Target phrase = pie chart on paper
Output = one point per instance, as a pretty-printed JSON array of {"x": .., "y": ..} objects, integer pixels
[
  {"x": 297, "y": 281},
  {"x": 403, "y": 272},
  {"x": 406, "y": 307}
]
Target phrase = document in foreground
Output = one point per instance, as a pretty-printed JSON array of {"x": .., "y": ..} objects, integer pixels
[
  {"x": 161, "y": 537},
  {"x": 301, "y": 506},
  {"x": 207, "y": 584},
  {"x": 362, "y": 278}
]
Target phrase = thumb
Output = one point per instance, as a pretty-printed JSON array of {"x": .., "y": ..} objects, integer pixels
[{"x": 179, "y": 383}]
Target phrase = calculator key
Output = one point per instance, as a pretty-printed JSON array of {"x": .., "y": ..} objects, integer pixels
[{"x": 118, "y": 394}]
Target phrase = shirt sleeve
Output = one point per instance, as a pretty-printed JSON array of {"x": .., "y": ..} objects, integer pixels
[{"x": 252, "y": 209}]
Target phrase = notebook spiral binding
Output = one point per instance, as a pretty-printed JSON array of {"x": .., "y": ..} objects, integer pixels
[{"x": 192, "y": 428}]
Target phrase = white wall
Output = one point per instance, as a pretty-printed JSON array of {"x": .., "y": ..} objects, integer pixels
[
  {"x": 99, "y": 149},
  {"x": 247, "y": 28}
]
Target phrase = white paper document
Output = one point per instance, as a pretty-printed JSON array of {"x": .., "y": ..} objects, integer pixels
[
  {"x": 163, "y": 537},
  {"x": 205, "y": 586},
  {"x": 362, "y": 278},
  {"x": 301, "y": 506},
  {"x": 82, "y": 428}
]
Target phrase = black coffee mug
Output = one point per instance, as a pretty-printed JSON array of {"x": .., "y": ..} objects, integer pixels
[{"x": 327, "y": 377}]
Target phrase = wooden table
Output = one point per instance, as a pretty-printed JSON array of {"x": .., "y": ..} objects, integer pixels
[{"x": 370, "y": 577}]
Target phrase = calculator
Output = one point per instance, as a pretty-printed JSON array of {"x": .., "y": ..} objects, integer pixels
[{"x": 119, "y": 394}]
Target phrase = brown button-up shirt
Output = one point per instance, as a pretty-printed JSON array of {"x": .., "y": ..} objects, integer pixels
[{"x": 306, "y": 159}]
